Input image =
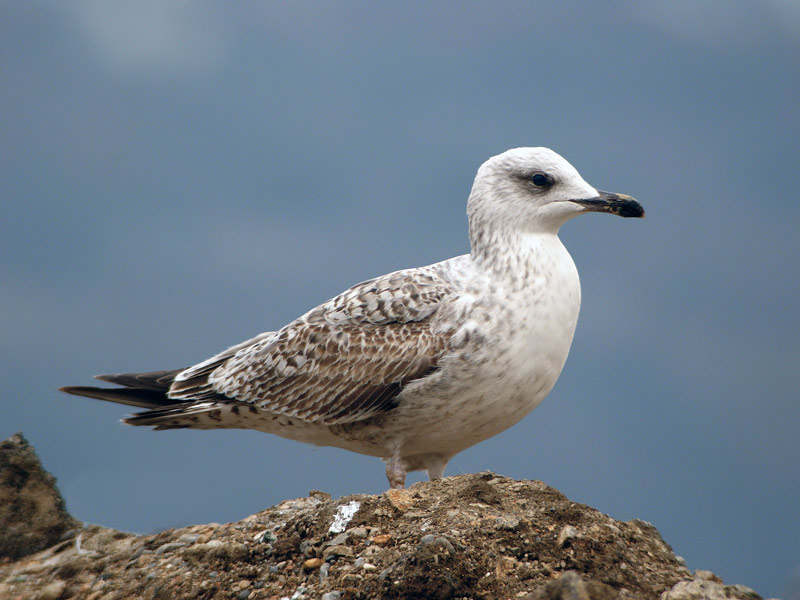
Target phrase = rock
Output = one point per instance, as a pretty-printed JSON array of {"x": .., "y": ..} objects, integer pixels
[
  {"x": 337, "y": 551},
  {"x": 33, "y": 515},
  {"x": 164, "y": 548},
  {"x": 707, "y": 575},
  {"x": 572, "y": 586},
  {"x": 400, "y": 499},
  {"x": 382, "y": 539},
  {"x": 479, "y": 536},
  {"x": 567, "y": 534},
  {"x": 707, "y": 586},
  {"x": 358, "y": 532},
  {"x": 52, "y": 591},
  {"x": 313, "y": 563}
]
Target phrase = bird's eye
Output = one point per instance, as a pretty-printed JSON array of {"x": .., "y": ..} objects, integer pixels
[{"x": 540, "y": 180}]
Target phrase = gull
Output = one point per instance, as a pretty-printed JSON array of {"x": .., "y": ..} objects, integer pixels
[{"x": 416, "y": 365}]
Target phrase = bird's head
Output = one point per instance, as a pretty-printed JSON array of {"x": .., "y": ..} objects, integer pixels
[{"x": 536, "y": 190}]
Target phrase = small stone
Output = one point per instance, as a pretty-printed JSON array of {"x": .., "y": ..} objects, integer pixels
[
  {"x": 369, "y": 567},
  {"x": 382, "y": 540},
  {"x": 340, "y": 550},
  {"x": 567, "y": 534},
  {"x": 241, "y": 585},
  {"x": 400, "y": 499},
  {"x": 323, "y": 572},
  {"x": 189, "y": 538},
  {"x": 169, "y": 547},
  {"x": 505, "y": 566},
  {"x": 331, "y": 595},
  {"x": 359, "y": 562},
  {"x": 265, "y": 537},
  {"x": 744, "y": 591},
  {"x": 358, "y": 532},
  {"x": 707, "y": 575},
  {"x": 507, "y": 524},
  {"x": 312, "y": 563},
  {"x": 338, "y": 540},
  {"x": 52, "y": 591},
  {"x": 243, "y": 595},
  {"x": 437, "y": 542}
]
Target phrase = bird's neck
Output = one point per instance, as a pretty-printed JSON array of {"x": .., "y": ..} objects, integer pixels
[{"x": 515, "y": 256}]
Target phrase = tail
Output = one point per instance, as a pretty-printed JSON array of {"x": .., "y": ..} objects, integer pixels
[
  {"x": 144, "y": 390},
  {"x": 149, "y": 390}
]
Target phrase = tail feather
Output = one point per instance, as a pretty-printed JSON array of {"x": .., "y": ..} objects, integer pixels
[
  {"x": 144, "y": 390},
  {"x": 142, "y": 398},
  {"x": 153, "y": 380}
]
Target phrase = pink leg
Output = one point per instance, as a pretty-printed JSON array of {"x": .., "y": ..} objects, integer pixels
[{"x": 396, "y": 472}]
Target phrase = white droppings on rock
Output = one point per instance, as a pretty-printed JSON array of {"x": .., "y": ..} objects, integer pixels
[{"x": 344, "y": 514}]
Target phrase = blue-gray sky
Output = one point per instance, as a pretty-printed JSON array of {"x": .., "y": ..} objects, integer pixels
[{"x": 177, "y": 177}]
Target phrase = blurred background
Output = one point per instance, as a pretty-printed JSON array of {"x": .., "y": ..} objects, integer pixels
[{"x": 178, "y": 176}]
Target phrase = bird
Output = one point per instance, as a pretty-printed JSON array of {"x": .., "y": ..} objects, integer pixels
[{"x": 416, "y": 365}]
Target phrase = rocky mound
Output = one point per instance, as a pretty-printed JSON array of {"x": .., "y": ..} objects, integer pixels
[
  {"x": 32, "y": 511},
  {"x": 472, "y": 536}
]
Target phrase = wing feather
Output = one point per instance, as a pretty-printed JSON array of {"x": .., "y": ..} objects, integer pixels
[{"x": 344, "y": 361}]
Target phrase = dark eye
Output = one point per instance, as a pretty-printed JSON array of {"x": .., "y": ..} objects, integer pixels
[{"x": 541, "y": 180}]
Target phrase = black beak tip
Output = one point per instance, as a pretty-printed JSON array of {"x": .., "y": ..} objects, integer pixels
[{"x": 630, "y": 210}]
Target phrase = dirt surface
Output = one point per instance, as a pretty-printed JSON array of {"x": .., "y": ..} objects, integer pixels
[{"x": 478, "y": 536}]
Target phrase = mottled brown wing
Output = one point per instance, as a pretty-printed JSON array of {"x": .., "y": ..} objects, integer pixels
[{"x": 344, "y": 361}]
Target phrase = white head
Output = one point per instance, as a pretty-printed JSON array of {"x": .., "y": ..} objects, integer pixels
[{"x": 536, "y": 190}]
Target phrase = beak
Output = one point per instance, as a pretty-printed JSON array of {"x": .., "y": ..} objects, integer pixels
[{"x": 621, "y": 205}]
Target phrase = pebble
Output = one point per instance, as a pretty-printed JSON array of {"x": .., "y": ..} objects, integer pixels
[
  {"x": 323, "y": 572},
  {"x": 52, "y": 591},
  {"x": 507, "y": 524},
  {"x": 331, "y": 595},
  {"x": 312, "y": 563},
  {"x": 339, "y": 540},
  {"x": 337, "y": 551},
  {"x": 169, "y": 547},
  {"x": 358, "y": 532},
  {"x": 382, "y": 539},
  {"x": 265, "y": 537},
  {"x": 438, "y": 541},
  {"x": 567, "y": 533},
  {"x": 189, "y": 538},
  {"x": 400, "y": 499},
  {"x": 243, "y": 595}
]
